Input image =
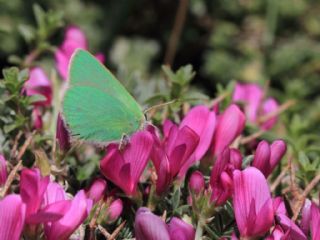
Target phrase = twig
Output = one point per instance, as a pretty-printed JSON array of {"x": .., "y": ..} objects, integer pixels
[
  {"x": 104, "y": 232},
  {"x": 279, "y": 110},
  {"x": 218, "y": 99},
  {"x": 279, "y": 178},
  {"x": 17, "y": 167},
  {"x": 304, "y": 195},
  {"x": 116, "y": 232},
  {"x": 15, "y": 145},
  {"x": 252, "y": 137},
  {"x": 176, "y": 32}
]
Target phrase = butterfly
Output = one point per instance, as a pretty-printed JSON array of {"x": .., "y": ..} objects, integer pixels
[{"x": 96, "y": 107}]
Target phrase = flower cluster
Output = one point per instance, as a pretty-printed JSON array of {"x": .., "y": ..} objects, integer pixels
[{"x": 188, "y": 172}]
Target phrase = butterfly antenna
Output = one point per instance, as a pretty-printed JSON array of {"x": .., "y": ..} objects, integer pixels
[{"x": 160, "y": 105}]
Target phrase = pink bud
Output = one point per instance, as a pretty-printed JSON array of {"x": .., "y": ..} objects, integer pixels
[
  {"x": 230, "y": 125},
  {"x": 62, "y": 134},
  {"x": 39, "y": 84},
  {"x": 97, "y": 190},
  {"x": 12, "y": 212},
  {"x": 196, "y": 182},
  {"x": 252, "y": 202},
  {"x": 37, "y": 118},
  {"x": 115, "y": 210},
  {"x": 148, "y": 226},
  {"x": 306, "y": 216},
  {"x": 3, "y": 170},
  {"x": 267, "y": 157},
  {"x": 278, "y": 149},
  {"x": 180, "y": 230}
]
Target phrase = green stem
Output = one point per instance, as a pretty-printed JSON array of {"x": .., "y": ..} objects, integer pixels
[{"x": 199, "y": 230}]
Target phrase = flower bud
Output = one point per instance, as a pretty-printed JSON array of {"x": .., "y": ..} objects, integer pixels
[{"x": 196, "y": 182}]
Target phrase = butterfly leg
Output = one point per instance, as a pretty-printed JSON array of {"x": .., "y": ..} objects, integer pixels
[{"x": 124, "y": 141}]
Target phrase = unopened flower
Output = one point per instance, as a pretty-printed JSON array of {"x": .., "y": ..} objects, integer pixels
[
  {"x": 196, "y": 182},
  {"x": 252, "y": 202},
  {"x": 74, "y": 38},
  {"x": 148, "y": 226},
  {"x": 62, "y": 134},
  {"x": 230, "y": 125},
  {"x": 221, "y": 175},
  {"x": 124, "y": 167},
  {"x": 114, "y": 210},
  {"x": 97, "y": 189},
  {"x": 180, "y": 230},
  {"x": 268, "y": 156},
  {"x": 12, "y": 216}
]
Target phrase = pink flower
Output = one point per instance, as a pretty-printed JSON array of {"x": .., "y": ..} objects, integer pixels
[
  {"x": 221, "y": 175},
  {"x": 62, "y": 134},
  {"x": 252, "y": 97},
  {"x": 32, "y": 189},
  {"x": 267, "y": 157},
  {"x": 269, "y": 106},
  {"x": 114, "y": 210},
  {"x": 196, "y": 182},
  {"x": 180, "y": 230},
  {"x": 290, "y": 228},
  {"x": 76, "y": 214},
  {"x": 252, "y": 202},
  {"x": 202, "y": 121},
  {"x": 230, "y": 125},
  {"x": 315, "y": 222},
  {"x": 97, "y": 190},
  {"x": 125, "y": 167},
  {"x": 148, "y": 226},
  {"x": 170, "y": 154},
  {"x": 74, "y": 38},
  {"x": 3, "y": 170},
  {"x": 53, "y": 193},
  {"x": 39, "y": 84},
  {"x": 12, "y": 212}
]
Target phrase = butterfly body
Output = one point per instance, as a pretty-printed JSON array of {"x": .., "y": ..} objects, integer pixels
[{"x": 96, "y": 107}]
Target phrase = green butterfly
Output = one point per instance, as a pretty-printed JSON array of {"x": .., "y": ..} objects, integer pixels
[{"x": 96, "y": 107}]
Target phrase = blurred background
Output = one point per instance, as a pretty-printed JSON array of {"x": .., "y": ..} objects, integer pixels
[{"x": 273, "y": 43}]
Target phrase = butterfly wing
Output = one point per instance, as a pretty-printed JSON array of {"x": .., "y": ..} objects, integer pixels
[{"x": 96, "y": 106}]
